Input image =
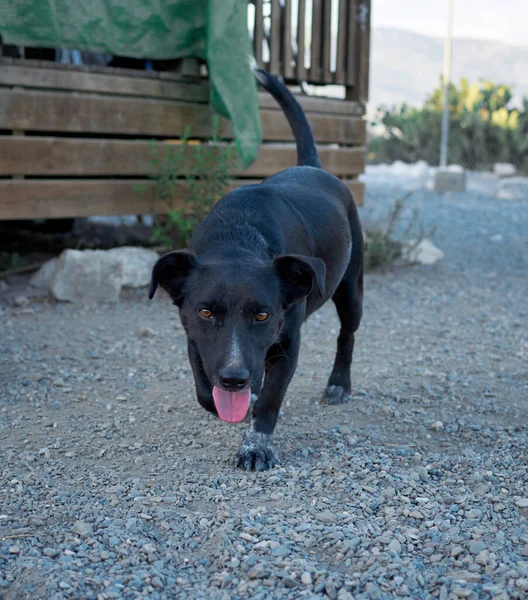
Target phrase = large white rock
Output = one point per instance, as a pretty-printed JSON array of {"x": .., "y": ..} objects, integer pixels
[
  {"x": 452, "y": 179},
  {"x": 87, "y": 276},
  {"x": 95, "y": 275},
  {"x": 114, "y": 221},
  {"x": 137, "y": 264},
  {"x": 513, "y": 188},
  {"x": 423, "y": 253},
  {"x": 44, "y": 276},
  {"x": 504, "y": 169}
]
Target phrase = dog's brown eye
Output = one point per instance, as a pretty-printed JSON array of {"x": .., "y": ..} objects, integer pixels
[
  {"x": 262, "y": 316},
  {"x": 205, "y": 313}
]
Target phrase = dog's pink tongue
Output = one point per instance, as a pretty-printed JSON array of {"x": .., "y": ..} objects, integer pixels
[{"x": 231, "y": 406}]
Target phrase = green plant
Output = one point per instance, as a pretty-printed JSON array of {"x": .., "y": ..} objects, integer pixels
[
  {"x": 203, "y": 168},
  {"x": 484, "y": 128},
  {"x": 381, "y": 248}
]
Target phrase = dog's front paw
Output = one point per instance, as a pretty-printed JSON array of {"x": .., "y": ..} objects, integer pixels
[
  {"x": 335, "y": 394},
  {"x": 256, "y": 452}
]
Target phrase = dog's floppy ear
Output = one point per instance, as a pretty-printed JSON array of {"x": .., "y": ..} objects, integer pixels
[
  {"x": 298, "y": 275},
  {"x": 170, "y": 273}
]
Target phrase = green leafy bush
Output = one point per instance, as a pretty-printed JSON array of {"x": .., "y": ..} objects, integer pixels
[
  {"x": 484, "y": 128},
  {"x": 203, "y": 168}
]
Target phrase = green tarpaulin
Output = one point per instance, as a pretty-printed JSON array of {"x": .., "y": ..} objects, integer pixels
[{"x": 214, "y": 30}]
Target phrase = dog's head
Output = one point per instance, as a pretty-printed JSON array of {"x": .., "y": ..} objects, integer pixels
[{"x": 232, "y": 307}]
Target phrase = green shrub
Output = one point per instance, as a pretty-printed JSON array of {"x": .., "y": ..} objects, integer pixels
[
  {"x": 484, "y": 129},
  {"x": 382, "y": 248},
  {"x": 204, "y": 168}
]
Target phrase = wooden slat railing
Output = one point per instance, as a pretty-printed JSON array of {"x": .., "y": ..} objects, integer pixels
[{"x": 322, "y": 42}]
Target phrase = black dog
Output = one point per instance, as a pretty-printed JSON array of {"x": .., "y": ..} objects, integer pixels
[{"x": 265, "y": 258}]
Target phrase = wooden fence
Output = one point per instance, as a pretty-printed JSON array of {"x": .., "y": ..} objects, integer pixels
[
  {"x": 75, "y": 141},
  {"x": 318, "y": 41}
]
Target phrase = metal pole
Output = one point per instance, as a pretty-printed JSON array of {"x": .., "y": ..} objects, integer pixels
[{"x": 447, "y": 81}]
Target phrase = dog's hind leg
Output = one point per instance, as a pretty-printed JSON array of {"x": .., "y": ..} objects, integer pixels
[{"x": 348, "y": 299}]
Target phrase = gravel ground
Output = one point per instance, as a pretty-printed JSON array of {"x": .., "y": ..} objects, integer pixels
[{"x": 115, "y": 484}]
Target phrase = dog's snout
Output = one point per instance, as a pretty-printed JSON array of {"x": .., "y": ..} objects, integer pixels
[{"x": 234, "y": 378}]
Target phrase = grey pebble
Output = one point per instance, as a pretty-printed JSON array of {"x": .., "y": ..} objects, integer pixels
[{"x": 477, "y": 546}]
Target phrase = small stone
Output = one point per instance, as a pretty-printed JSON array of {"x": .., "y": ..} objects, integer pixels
[
  {"x": 415, "y": 514},
  {"x": 306, "y": 578},
  {"x": 45, "y": 452},
  {"x": 105, "y": 555},
  {"x": 524, "y": 550},
  {"x": 280, "y": 551},
  {"x": 373, "y": 591},
  {"x": 351, "y": 544},
  {"x": 258, "y": 572},
  {"x": 456, "y": 551},
  {"x": 147, "y": 332},
  {"x": 522, "y": 583},
  {"x": 289, "y": 582},
  {"x": 437, "y": 426},
  {"x": 522, "y": 503},
  {"x": 64, "y": 585},
  {"x": 14, "y": 550},
  {"x": 477, "y": 546},
  {"x": 83, "y": 529},
  {"x": 51, "y": 552},
  {"x": 474, "y": 513},
  {"x": 156, "y": 582},
  {"x": 422, "y": 252},
  {"x": 389, "y": 492},
  {"x": 461, "y": 592},
  {"x": 326, "y": 517},
  {"x": 483, "y": 558},
  {"x": 395, "y": 546}
]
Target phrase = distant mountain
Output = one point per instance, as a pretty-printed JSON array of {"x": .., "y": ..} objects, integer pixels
[{"x": 406, "y": 66}]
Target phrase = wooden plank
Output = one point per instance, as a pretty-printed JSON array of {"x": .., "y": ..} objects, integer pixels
[
  {"x": 157, "y": 88},
  {"x": 287, "y": 67},
  {"x": 351, "y": 43},
  {"x": 326, "y": 75},
  {"x": 317, "y": 104},
  {"x": 275, "y": 38},
  {"x": 340, "y": 74},
  {"x": 259, "y": 32},
  {"x": 315, "y": 73},
  {"x": 40, "y": 199},
  {"x": 52, "y": 156},
  {"x": 364, "y": 50},
  {"x": 342, "y": 161},
  {"x": 102, "y": 69},
  {"x": 58, "y": 111},
  {"x": 86, "y": 81},
  {"x": 300, "y": 69}
]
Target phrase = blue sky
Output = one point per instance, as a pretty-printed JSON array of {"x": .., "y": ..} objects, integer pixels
[{"x": 502, "y": 20}]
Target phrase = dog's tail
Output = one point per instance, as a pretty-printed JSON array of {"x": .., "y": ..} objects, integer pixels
[{"x": 306, "y": 150}]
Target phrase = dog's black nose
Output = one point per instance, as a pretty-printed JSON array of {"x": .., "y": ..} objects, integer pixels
[{"x": 234, "y": 379}]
